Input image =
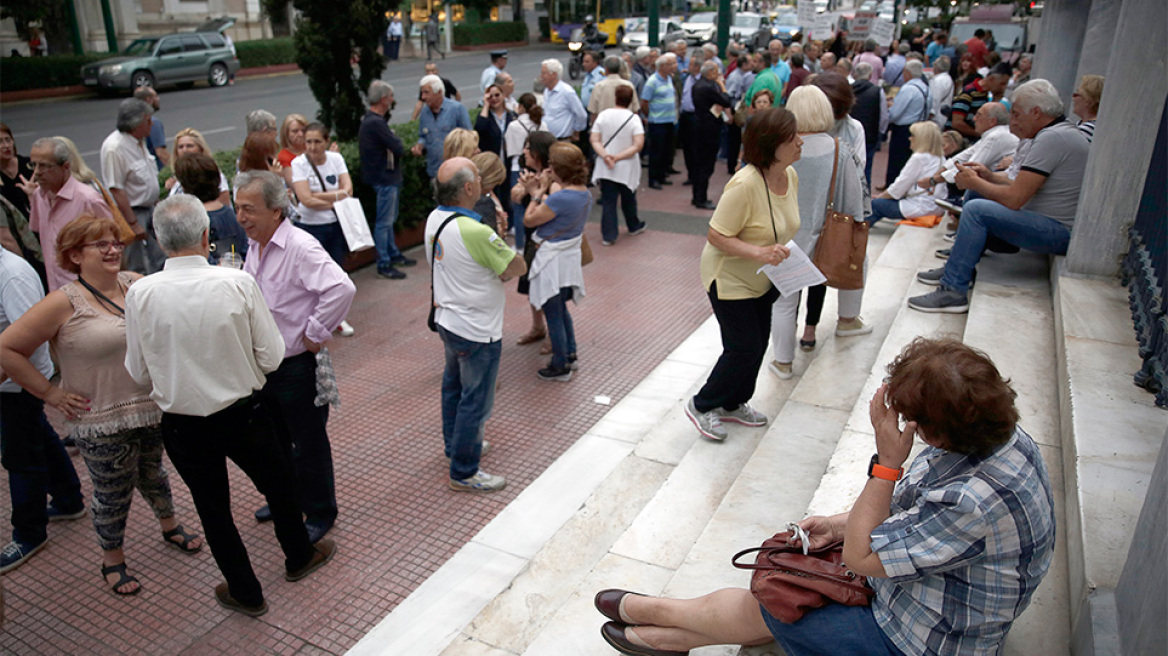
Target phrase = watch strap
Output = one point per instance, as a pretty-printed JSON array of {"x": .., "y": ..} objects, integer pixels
[{"x": 876, "y": 470}]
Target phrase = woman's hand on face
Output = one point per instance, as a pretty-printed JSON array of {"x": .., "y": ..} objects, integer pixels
[
  {"x": 892, "y": 443},
  {"x": 276, "y": 167},
  {"x": 773, "y": 254},
  {"x": 820, "y": 532},
  {"x": 68, "y": 403}
]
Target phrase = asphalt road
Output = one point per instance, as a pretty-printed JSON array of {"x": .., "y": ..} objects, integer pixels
[{"x": 218, "y": 113}]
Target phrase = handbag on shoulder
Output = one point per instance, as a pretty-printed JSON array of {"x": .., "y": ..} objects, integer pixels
[
  {"x": 842, "y": 245},
  {"x": 789, "y": 582}
]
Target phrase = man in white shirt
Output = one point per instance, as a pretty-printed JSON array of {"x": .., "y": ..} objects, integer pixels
[
  {"x": 394, "y": 35},
  {"x": 469, "y": 263},
  {"x": 498, "y": 63},
  {"x": 562, "y": 110},
  {"x": 992, "y": 122},
  {"x": 130, "y": 174},
  {"x": 203, "y": 338},
  {"x": 941, "y": 91}
]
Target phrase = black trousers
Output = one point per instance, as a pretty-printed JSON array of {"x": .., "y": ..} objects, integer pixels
[
  {"x": 704, "y": 147},
  {"x": 686, "y": 133},
  {"x": 199, "y": 448},
  {"x": 746, "y": 328},
  {"x": 660, "y": 137},
  {"x": 302, "y": 430},
  {"x": 815, "y": 296},
  {"x": 898, "y": 152}
]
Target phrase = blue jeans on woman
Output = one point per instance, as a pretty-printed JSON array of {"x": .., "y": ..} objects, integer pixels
[
  {"x": 981, "y": 219},
  {"x": 468, "y": 395},
  {"x": 517, "y": 212},
  {"x": 884, "y": 208},
  {"x": 833, "y": 629},
  {"x": 560, "y": 328},
  {"x": 331, "y": 237}
]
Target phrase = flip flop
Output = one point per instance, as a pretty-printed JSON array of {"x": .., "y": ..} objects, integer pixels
[
  {"x": 123, "y": 579},
  {"x": 531, "y": 336},
  {"x": 184, "y": 545}
]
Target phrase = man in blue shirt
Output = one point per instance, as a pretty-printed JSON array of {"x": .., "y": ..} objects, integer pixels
[
  {"x": 156, "y": 140},
  {"x": 660, "y": 107},
  {"x": 593, "y": 73},
  {"x": 562, "y": 110},
  {"x": 498, "y": 63},
  {"x": 381, "y": 152},
  {"x": 439, "y": 116},
  {"x": 780, "y": 68},
  {"x": 685, "y": 125},
  {"x": 910, "y": 105}
]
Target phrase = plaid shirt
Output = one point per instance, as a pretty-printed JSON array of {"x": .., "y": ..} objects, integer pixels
[{"x": 966, "y": 545}]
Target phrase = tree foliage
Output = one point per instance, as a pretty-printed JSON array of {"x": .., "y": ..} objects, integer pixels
[
  {"x": 330, "y": 35},
  {"x": 51, "y": 15}
]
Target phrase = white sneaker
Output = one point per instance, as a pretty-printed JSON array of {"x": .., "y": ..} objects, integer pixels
[
  {"x": 852, "y": 328},
  {"x": 745, "y": 415},
  {"x": 346, "y": 330},
  {"x": 480, "y": 482},
  {"x": 783, "y": 371}
]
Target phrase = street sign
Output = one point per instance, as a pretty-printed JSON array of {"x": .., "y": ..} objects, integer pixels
[
  {"x": 824, "y": 27},
  {"x": 883, "y": 31},
  {"x": 806, "y": 14},
  {"x": 861, "y": 25}
]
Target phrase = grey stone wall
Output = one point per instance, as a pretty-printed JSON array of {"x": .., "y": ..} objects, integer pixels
[{"x": 1141, "y": 598}]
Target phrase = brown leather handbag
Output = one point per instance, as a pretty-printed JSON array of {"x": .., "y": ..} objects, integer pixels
[
  {"x": 842, "y": 245},
  {"x": 788, "y": 583}
]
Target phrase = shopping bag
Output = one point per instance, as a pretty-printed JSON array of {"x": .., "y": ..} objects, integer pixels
[{"x": 353, "y": 224}]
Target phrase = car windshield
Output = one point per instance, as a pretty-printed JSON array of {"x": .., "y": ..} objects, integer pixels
[
  {"x": 746, "y": 21},
  {"x": 141, "y": 47},
  {"x": 788, "y": 19},
  {"x": 707, "y": 17}
]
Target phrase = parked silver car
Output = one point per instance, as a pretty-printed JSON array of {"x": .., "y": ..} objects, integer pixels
[
  {"x": 183, "y": 58},
  {"x": 669, "y": 30}
]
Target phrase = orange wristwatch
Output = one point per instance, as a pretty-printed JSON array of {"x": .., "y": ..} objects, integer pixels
[{"x": 876, "y": 470}]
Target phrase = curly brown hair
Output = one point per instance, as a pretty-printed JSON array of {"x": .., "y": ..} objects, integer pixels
[
  {"x": 955, "y": 394},
  {"x": 568, "y": 163}
]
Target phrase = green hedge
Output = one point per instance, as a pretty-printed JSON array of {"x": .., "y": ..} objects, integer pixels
[
  {"x": 267, "y": 52},
  {"x": 21, "y": 73},
  {"x": 467, "y": 34}
]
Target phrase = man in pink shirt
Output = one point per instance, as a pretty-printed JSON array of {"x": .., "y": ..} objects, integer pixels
[
  {"x": 869, "y": 56},
  {"x": 309, "y": 295},
  {"x": 59, "y": 198}
]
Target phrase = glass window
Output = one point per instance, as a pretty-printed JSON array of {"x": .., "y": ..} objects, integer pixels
[
  {"x": 192, "y": 43},
  {"x": 170, "y": 47}
]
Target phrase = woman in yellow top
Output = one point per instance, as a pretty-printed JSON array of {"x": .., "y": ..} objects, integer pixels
[{"x": 757, "y": 214}]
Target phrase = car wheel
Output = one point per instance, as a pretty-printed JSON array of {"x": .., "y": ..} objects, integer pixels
[
  {"x": 141, "y": 79},
  {"x": 218, "y": 76}
]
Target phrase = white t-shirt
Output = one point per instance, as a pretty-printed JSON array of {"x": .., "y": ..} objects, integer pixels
[
  {"x": 468, "y": 261},
  {"x": 332, "y": 170},
  {"x": 127, "y": 165},
  {"x": 608, "y": 123},
  {"x": 516, "y": 136}
]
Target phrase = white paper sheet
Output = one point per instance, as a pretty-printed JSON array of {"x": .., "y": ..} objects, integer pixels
[{"x": 793, "y": 274}]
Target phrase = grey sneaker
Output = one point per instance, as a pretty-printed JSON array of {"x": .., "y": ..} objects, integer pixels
[
  {"x": 745, "y": 415},
  {"x": 480, "y": 482},
  {"x": 709, "y": 424},
  {"x": 932, "y": 276},
  {"x": 943, "y": 300},
  {"x": 942, "y": 253}
]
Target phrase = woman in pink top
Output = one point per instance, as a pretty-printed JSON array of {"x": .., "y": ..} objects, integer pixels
[{"x": 112, "y": 419}]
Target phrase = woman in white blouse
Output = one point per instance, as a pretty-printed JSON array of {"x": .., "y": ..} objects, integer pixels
[
  {"x": 617, "y": 140},
  {"x": 904, "y": 198}
]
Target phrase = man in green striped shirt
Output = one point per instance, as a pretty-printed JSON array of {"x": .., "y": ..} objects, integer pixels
[{"x": 659, "y": 102}]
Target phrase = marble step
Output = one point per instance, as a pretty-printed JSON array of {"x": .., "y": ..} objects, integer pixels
[{"x": 661, "y": 552}]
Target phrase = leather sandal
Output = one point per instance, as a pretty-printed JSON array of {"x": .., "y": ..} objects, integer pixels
[
  {"x": 532, "y": 336},
  {"x": 183, "y": 545},
  {"x": 123, "y": 579},
  {"x": 807, "y": 344}
]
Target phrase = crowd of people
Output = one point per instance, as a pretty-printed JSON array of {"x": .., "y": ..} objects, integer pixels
[{"x": 171, "y": 321}]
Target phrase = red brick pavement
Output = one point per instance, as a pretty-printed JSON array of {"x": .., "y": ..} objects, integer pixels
[{"x": 398, "y": 520}]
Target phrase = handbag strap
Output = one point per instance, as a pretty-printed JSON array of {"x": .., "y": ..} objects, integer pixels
[
  {"x": 434, "y": 250},
  {"x": 770, "y": 208},
  {"x": 622, "y": 126},
  {"x": 834, "y": 168},
  {"x": 322, "y": 185}
]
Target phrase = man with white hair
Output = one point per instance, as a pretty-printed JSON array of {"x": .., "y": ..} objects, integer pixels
[
  {"x": 1035, "y": 211},
  {"x": 604, "y": 93},
  {"x": 941, "y": 92},
  {"x": 710, "y": 53},
  {"x": 996, "y": 143},
  {"x": 202, "y": 338},
  {"x": 260, "y": 120},
  {"x": 439, "y": 117},
  {"x": 643, "y": 66},
  {"x": 562, "y": 110},
  {"x": 894, "y": 67},
  {"x": 659, "y": 103},
  {"x": 130, "y": 174},
  {"x": 709, "y": 95},
  {"x": 469, "y": 264},
  {"x": 910, "y": 105},
  {"x": 381, "y": 152}
]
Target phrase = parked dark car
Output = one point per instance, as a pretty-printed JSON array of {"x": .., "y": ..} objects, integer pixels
[{"x": 183, "y": 58}]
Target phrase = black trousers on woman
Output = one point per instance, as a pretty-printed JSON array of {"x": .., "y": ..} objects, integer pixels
[{"x": 746, "y": 330}]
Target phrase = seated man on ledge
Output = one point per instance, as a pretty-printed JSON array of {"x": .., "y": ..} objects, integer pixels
[{"x": 1034, "y": 211}]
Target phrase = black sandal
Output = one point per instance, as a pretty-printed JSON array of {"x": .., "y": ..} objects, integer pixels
[
  {"x": 185, "y": 545},
  {"x": 123, "y": 579},
  {"x": 807, "y": 344}
]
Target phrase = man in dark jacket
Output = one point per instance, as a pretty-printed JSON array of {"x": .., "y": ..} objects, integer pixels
[
  {"x": 870, "y": 110},
  {"x": 381, "y": 153},
  {"x": 708, "y": 91}
]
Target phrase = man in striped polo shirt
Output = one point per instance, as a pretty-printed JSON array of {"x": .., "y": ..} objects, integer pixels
[{"x": 659, "y": 102}]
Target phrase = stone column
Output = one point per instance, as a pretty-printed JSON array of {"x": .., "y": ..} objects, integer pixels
[
  {"x": 1099, "y": 39},
  {"x": 1125, "y": 134},
  {"x": 1064, "y": 23}
]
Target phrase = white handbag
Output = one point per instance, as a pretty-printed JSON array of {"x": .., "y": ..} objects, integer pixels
[{"x": 353, "y": 224}]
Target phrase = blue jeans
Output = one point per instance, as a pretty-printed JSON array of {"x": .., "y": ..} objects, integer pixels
[
  {"x": 833, "y": 629},
  {"x": 559, "y": 326},
  {"x": 37, "y": 465},
  {"x": 884, "y": 208},
  {"x": 468, "y": 395},
  {"x": 387, "y": 197},
  {"x": 610, "y": 192},
  {"x": 331, "y": 237},
  {"x": 982, "y": 218},
  {"x": 871, "y": 155},
  {"x": 517, "y": 212}
]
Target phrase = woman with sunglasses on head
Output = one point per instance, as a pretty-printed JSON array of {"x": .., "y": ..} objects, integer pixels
[
  {"x": 190, "y": 141},
  {"x": 113, "y": 420}
]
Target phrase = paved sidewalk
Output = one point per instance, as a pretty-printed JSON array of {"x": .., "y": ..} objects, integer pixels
[{"x": 399, "y": 522}]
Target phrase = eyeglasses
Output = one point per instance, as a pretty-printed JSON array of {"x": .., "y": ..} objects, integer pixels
[
  {"x": 43, "y": 165},
  {"x": 105, "y": 245}
]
